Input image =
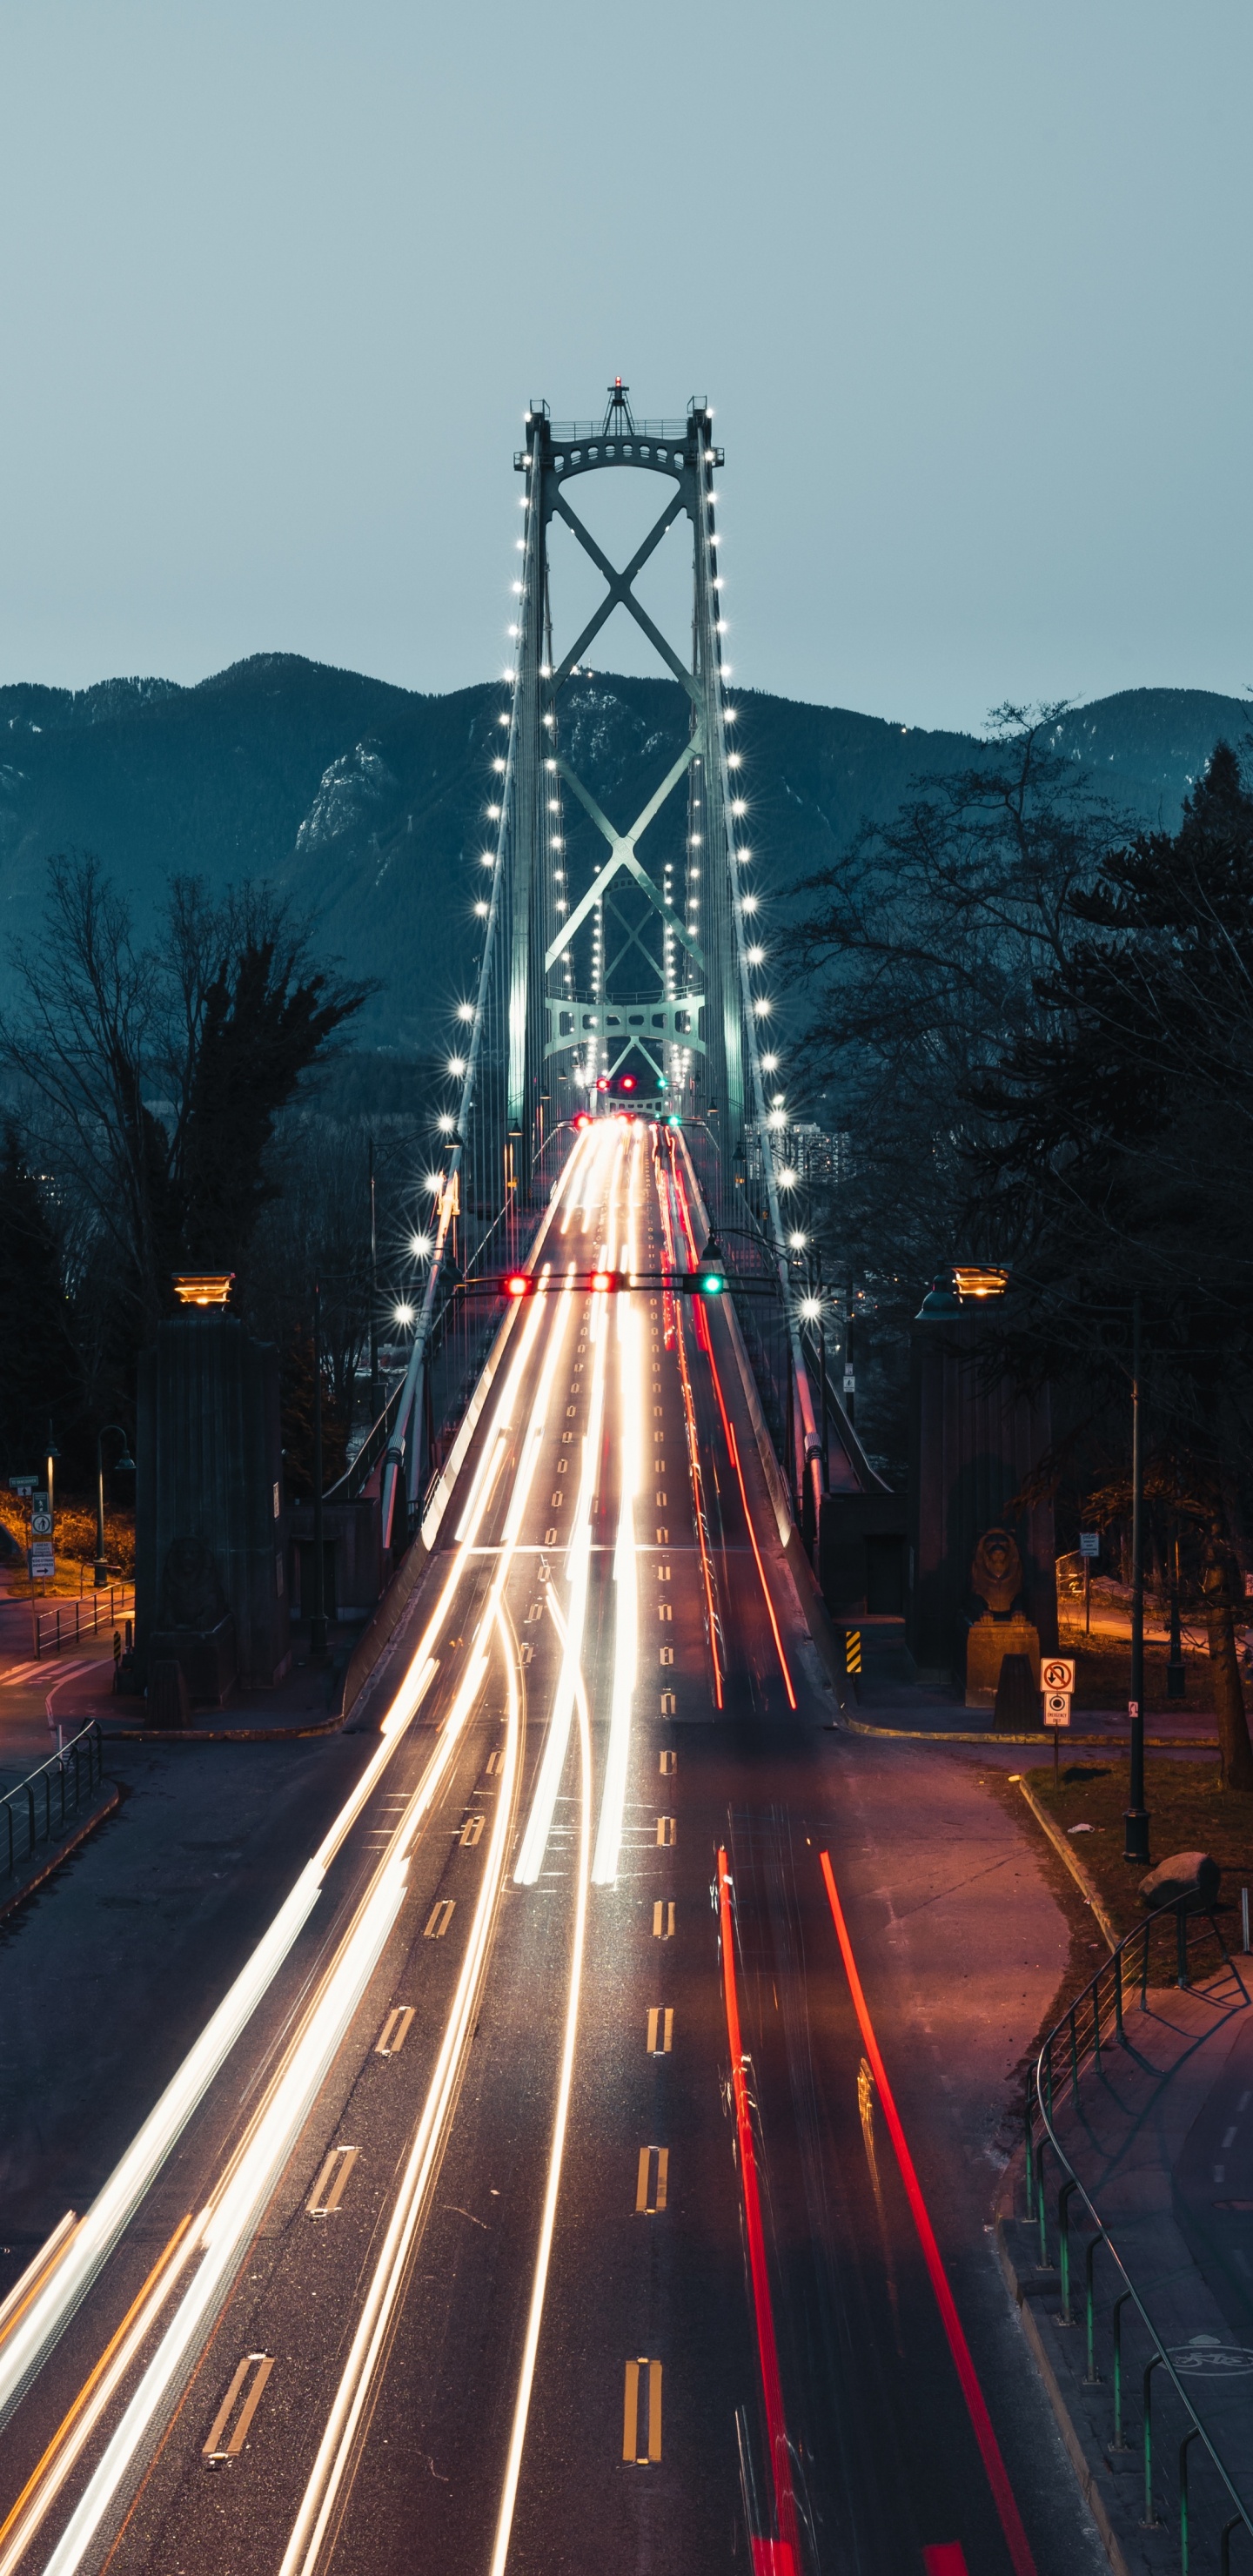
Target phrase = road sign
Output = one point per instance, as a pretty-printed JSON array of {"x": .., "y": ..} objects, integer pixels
[
  {"x": 1057, "y": 1672},
  {"x": 1057, "y": 1708},
  {"x": 1089, "y": 1542},
  {"x": 43, "y": 1564},
  {"x": 22, "y": 1484},
  {"x": 41, "y": 1524}
]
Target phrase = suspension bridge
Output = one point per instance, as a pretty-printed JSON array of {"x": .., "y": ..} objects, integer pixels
[{"x": 520, "y": 2204}]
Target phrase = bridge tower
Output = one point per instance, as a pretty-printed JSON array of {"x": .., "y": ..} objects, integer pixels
[{"x": 641, "y": 978}]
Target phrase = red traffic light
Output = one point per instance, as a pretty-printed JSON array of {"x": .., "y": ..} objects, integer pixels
[
  {"x": 519, "y": 1284},
  {"x": 627, "y": 1083},
  {"x": 604, "y": 1282},
  {"x": 603, "y": 1082},
  {"x": 583, "y": 1118}
]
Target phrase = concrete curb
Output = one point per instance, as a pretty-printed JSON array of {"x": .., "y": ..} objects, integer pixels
[
  {"x": 221, "y": 1734},
  {"x": 1071, "y": 2437},
  {"x": 108, "y": 1807},
  {"x": 997, "y": 1735},
  {"x": 1073, "y": 1863}
]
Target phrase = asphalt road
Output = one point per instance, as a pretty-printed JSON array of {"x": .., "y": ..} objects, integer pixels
[{"x": 439, "y": 2259}]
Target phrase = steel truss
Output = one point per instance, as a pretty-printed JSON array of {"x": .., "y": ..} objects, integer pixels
[{"x": 675, "y": 995}]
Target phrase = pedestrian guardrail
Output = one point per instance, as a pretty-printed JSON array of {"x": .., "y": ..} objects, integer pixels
[
  {"x": 43, "y": 1806},
  {"x": 1176, "y": 1947},
  {"x": 68, "y": 1622}
]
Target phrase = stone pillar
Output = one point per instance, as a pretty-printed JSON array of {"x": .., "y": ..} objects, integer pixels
[
  {"x": 973, "y": 1442},
  {"x": 210, "y": 1572}
]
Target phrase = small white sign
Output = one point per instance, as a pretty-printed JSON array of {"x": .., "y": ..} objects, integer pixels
[
  {"x": 1057, "y": 1672},
  {"x": 43, "y": 1564},
  {"x": 41, "y": 1524},
  {"x": 1089, "y": 1542},
  {"x": 1057, "y": 1708}
]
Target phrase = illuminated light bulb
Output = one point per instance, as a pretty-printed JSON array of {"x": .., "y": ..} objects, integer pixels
[
  {"x": 787, "y": 1178},
  {"x": 738, "y": 805},
  {"x": 456, "y": 1064},
  {"x": 778, "y": 1101},
  {"x": 498, "y": 764},
  {"x": 487, "y": 859},
  {"x": 421, "y": 1247},
  {"x": 481, "y": 911},
  {"x": 748, "y": 903},
  {"x": 554, "y": 804},
  {"x": 811, "y": 1307},
  {"x": 445, "y": 1122},
  {"x": 776, "y": 1119},
  {"x": 493, "y": 813},
  {"x": 511, "y": 630},
  {"x": 402, "y": 1314},
  {"x": 734, "y": 759},
  {"x": 756, "y": 956},
  {"x": 465, "y": 1010},
  {"x": 556, "y": 842},
  {"x": 516, "y": 586},
  {"x": 769, "y": 1063},
  {"x": 721, "y": 627},
  {"x": 520, "y": 543},
  {"x": 761, "y": 1009}
]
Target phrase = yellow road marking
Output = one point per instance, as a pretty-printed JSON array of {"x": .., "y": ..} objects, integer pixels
[
  {"x": 631, "y": 2451},
  {"x": 660, "y": 2030},
  {"x": 215, "y": 2449},
  {"x": 395, "y": 2030},
  {"x": 663, "y": 1920},
  {"x": 328, "y": 2190},
  {"x": 669, "y": 1761},
  {"x": 666, "y": 1830},
  {"x": 472, "y": 1832},
  {"x": 439, "y": 1918},
  {"x": 650, "y": 2188}
]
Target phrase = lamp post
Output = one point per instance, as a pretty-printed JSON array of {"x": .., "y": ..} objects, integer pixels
[
  {"x": 317, "y": 1619},
  {"x": 1135, "y": 1821},
  {"x": 125, "y": 1465}
]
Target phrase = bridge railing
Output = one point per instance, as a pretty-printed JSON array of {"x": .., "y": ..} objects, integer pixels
[
  {"x": 43, "y": 1805},
  {"x": 1123, "y": 2344}
]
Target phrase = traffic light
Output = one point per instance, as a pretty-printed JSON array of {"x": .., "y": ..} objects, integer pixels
[
  {"x": 519, "y": 1284},
  {"x": 709, "y": 1278}
]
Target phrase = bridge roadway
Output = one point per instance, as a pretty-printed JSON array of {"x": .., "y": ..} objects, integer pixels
[{"x": 417, "y": 2322}]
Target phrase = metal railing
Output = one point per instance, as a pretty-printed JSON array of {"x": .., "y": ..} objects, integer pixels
[
  {"x": 66, "y": 1625},
  {"x": 1165, "y": 1950},
  {"x": 44, "y": 1804}
]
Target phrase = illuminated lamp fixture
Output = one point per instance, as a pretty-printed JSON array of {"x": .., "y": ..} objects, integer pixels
[
  {"x": 203, "y": 1287},
  {"x": 519, "y": 1284},
  {"x": 975, "y": 1280}
]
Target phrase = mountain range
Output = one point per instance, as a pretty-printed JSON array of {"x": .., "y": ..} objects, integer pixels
[{"x": 368, "y": 802}]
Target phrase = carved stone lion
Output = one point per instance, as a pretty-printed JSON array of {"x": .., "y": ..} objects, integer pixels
[{"x": 996, "y": 1572}]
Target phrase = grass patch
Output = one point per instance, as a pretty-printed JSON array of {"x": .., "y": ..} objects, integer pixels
[
  {"x": 1188, "y": 1811},
  {"x": 1103, "y": 1671}
]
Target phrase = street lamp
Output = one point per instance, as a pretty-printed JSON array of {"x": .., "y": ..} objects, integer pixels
[
  {"x": 317, "y": 1617},
  {"x": 1135, "y": 1821},
  {"x": 123, "y": 1466}
]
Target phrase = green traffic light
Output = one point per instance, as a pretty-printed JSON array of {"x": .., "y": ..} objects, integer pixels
[{"x": 712, "y": 1284}]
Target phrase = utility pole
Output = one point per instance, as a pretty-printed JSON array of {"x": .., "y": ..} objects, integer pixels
[
  {"x": 317, "y": 1621},
  {"x": 1135, "y": 1821},
  {"x": 376, "y": 1400}
]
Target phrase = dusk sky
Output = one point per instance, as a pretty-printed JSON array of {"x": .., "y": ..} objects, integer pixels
[{"x": 967, "y": 286}]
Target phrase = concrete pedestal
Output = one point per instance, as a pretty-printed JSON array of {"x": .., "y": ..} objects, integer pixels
[
  {"x": 211, "y": 1536},
  {"x": 987, "y": 1645}
]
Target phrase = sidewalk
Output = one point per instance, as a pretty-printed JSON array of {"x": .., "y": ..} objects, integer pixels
[
  {"x": 71, "y": 1689},
  {"x": 1161, "y": 2138},
  {"x": 884, "y": 1699}
]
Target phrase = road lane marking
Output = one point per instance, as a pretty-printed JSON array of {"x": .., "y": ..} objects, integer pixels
[
  {"x": 494, "y": 1762},
  {"x": 660, "y": 2030},
  {"x": 439, "y": 1918},
  {"x": 976, "y": 2405},
  {"x": 659, "y": 1499},
  {"x": 667, "y": 1761},
  {"x": 663, "y": 1573},
  {"x": 665, "y": 1610},
  {"x": 665, "y": 1654},
  {"x": 328, "y": 2190},
  {"x": 395, "y": 2030},
  {"x": 472, "y": 1832},
  {"x": 666, "y": 1831},
  {"x": 652, "y": 2182},
  {"x": 669, "y": 1704},
  {"x": 260, "y": 2364},
  {"x": 631, "y": 2452},
  {"x": 663, "y": 1919}
]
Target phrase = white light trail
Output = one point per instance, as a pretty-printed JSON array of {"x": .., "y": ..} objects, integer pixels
[
  {"x": 535, "y": 2315},
  {"x": 625, "y": 1564},
  {"x": 578, "y": 1569},
  {"x": 369, "y": 2345}
]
